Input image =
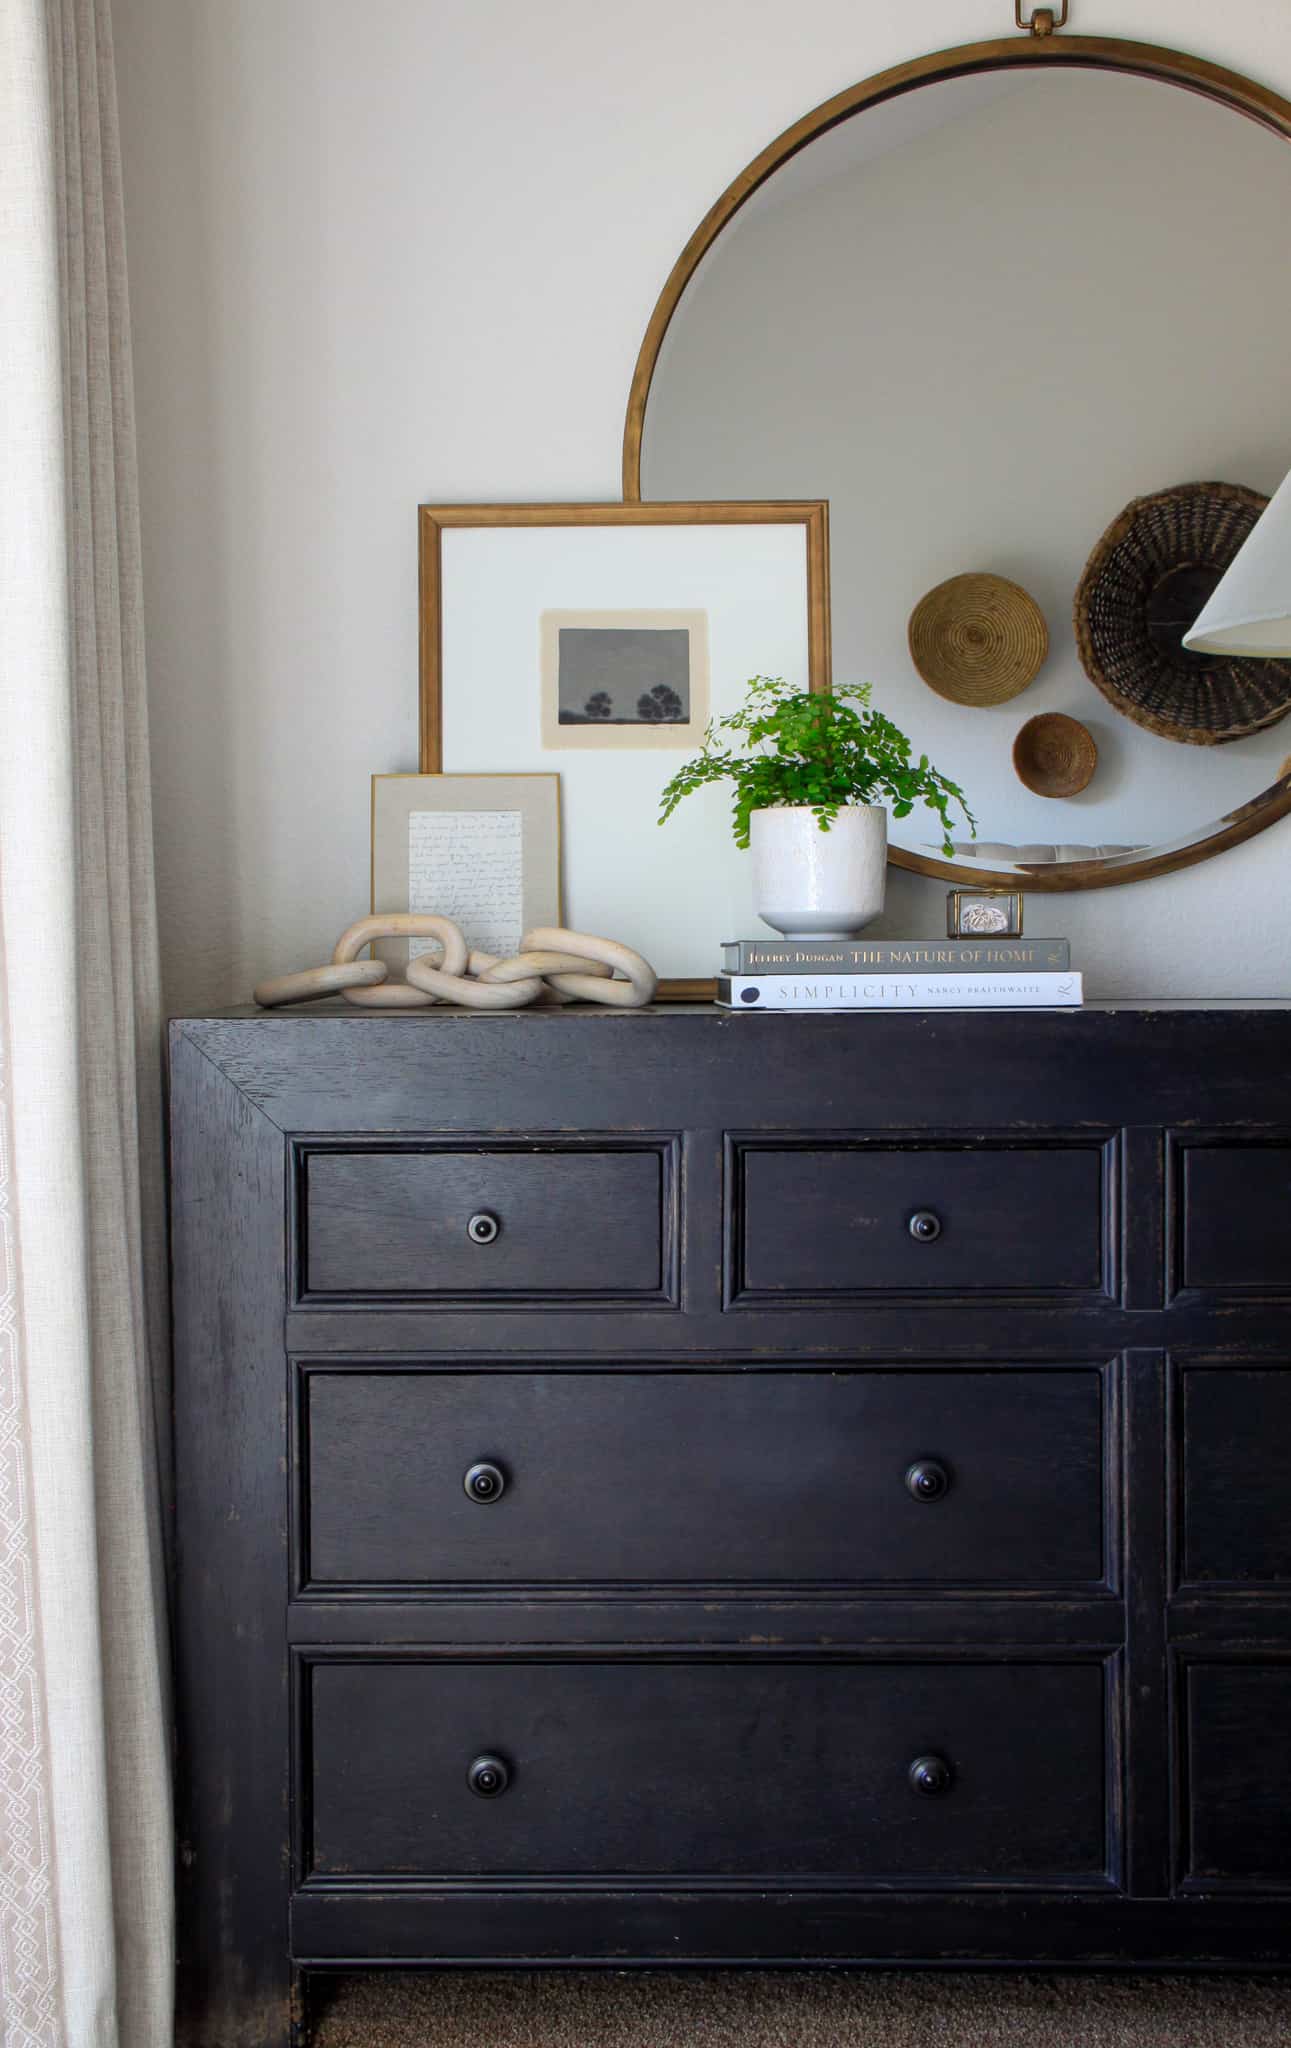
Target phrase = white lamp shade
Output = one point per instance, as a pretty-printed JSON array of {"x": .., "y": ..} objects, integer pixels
[{"x": 1250, "y": 607}]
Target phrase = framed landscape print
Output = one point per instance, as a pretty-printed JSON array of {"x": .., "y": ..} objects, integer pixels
[
  {"x": 624, "y": 679},
  {"x": 481, "y": 849},
  {"x": 596, "y": 642}
]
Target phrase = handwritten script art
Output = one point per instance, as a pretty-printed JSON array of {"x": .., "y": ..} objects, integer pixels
[{"x": 468, "y": 866}]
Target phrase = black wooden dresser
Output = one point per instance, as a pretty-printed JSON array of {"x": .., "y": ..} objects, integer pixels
[{"x": 684, "y": 1488}]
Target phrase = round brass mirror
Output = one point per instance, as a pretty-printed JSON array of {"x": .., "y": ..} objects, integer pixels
[{"x": 981, "y": 303}]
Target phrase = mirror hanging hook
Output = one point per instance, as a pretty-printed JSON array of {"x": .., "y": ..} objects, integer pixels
[{"x": 1042, "y": 20}]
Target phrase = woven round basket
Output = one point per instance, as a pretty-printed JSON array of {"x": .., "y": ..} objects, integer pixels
[
  {"x": 1146, "y": 581},
  {"x": 978, "y": 639},
  {"x": 1055, "y": 755}
]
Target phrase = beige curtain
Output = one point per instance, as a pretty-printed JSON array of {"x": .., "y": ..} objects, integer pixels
[{"x": 85, "y": 1827}]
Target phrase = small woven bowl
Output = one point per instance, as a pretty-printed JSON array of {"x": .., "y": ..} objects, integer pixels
[
  {"x": 1146, "y": 581},
  {"x": 978, "y": 639},
  {"x": 1055, "y": 755}
]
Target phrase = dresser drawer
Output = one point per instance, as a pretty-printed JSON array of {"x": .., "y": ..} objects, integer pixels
[
  {"x": 730, "y": 1769},
  {"x": 937, "y": 1478},
  {"x": 1236, "y": 1228},
  {"x": 829, "y": 1221},
  {"x": 1237, "y": 1746},
  {"x": 542, "y": 1222},
  {"x": 1236, "y": 1497}
]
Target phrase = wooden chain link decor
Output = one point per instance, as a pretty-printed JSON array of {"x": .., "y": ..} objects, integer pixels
[{"x": 552, "y": 966}]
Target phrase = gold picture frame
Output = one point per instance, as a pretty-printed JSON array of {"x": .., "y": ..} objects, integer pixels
[{"x": 437, "y": 527}]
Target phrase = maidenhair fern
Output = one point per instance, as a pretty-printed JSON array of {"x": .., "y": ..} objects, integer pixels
[{"x": 823, "y": 752}]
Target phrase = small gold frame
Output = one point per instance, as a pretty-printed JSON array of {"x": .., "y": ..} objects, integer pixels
[{"x": 973, "y": 913}]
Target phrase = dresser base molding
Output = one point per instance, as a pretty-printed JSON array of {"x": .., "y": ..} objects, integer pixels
[{"x": 668, "y": 1929}]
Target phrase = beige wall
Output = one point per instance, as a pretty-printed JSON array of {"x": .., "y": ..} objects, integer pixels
[{"x": 405, "y": 250}]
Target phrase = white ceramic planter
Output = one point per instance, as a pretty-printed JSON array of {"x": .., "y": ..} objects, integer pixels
[{"x": 811, "y": 884}]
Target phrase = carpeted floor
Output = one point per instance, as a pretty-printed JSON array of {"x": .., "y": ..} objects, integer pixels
[{"x": 800, "y": 2009}]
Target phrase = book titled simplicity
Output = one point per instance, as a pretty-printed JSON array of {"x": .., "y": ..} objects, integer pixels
[{"x": 899, "y": 991}]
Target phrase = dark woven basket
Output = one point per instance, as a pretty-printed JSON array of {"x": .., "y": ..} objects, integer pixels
[{"x": 1143, "y": 586}]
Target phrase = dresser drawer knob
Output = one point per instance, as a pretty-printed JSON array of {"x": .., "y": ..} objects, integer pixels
[
  {"x": 927, "y": 1480},
  {"x": 930, "y": 1775},
  {"x": 485, "y": 1484},
  {"x": 924, "y": 1226},
  {"x": 483, "y": 1229},
  {"x": 488, "y": 1777}
]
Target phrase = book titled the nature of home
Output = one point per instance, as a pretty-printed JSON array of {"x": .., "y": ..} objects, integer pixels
[
  {"x": 899, "y": 991},
  {"x": 886, "y": 956}
]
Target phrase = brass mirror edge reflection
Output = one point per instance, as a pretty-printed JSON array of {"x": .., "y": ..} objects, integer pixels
[{"x": 1095, "y": 53}]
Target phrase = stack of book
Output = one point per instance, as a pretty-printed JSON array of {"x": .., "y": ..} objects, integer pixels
[{"x": 898, "y": 974}]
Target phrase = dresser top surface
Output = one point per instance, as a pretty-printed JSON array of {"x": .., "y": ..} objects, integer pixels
[
  {"x": 332, "y": 1066},
  {"x": 590, "y": 1013}
]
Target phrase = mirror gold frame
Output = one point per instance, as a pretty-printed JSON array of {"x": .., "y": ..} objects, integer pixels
[{"x": 1147, "y": 60}]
